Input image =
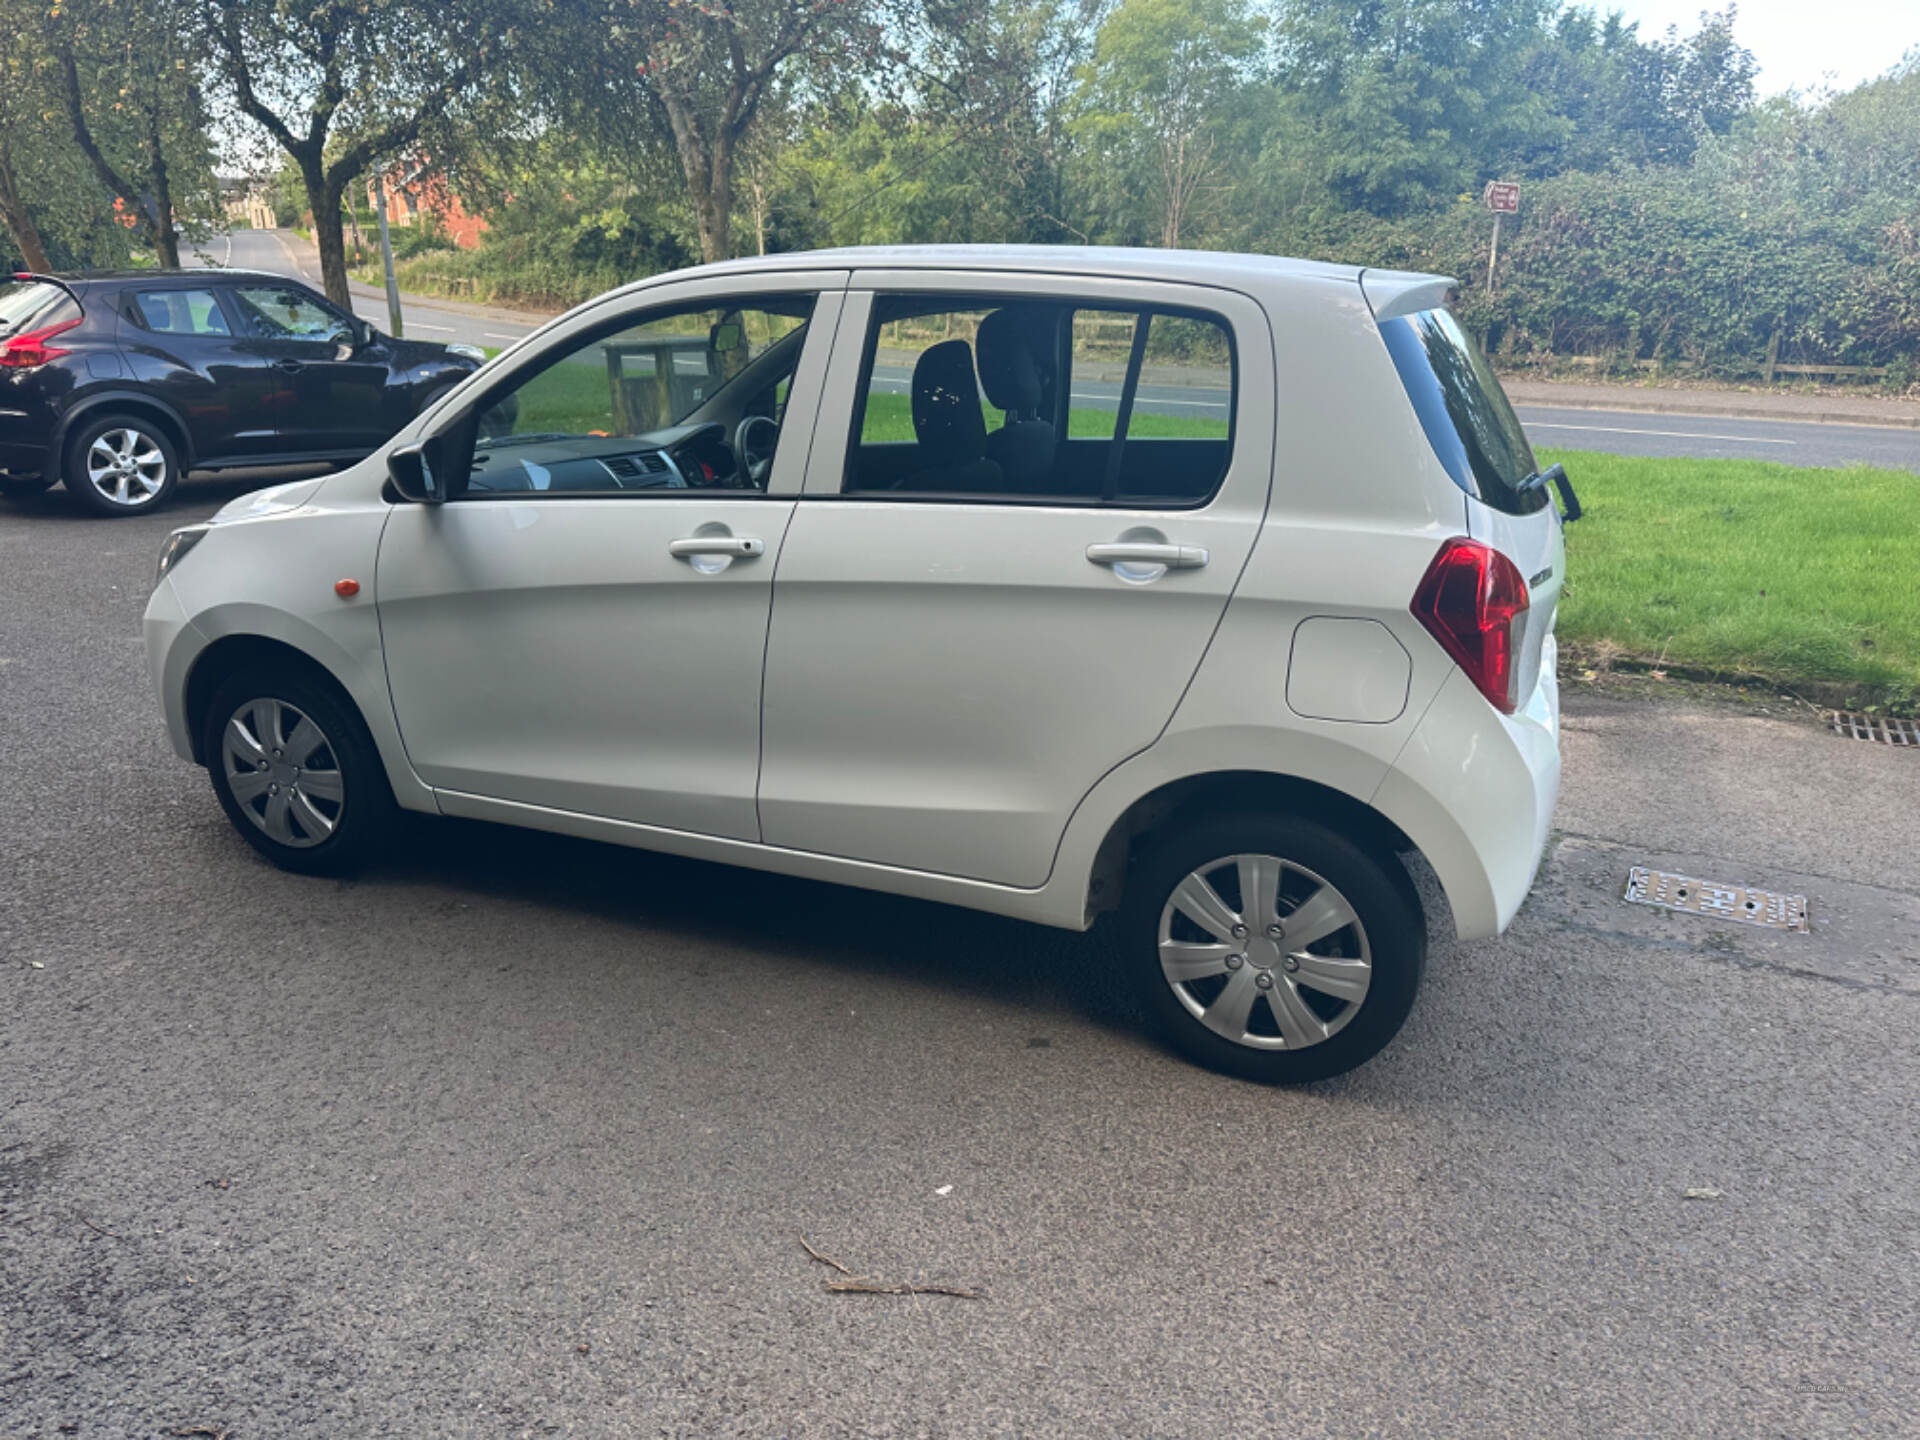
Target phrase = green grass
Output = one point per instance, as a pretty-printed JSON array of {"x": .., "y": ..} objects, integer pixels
[
  {"x": 889, "y": 420},
  {"x": 1799, "y": 576}
]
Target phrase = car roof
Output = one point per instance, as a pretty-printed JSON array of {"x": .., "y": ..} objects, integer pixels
[
  {"x": 83, "y": 279},
  {"x": 1226, "y": 269}
]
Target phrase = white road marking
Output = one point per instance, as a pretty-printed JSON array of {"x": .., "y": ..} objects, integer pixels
[
  {"x": 496, "y": 335},
  {"x": 443, "y": 329},
  {"x": 1670, "y": 434}
]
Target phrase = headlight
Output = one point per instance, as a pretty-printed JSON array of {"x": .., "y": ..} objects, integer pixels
[
  {"x": 469, "y": 352},
  {"x": 174, "y": 549}
]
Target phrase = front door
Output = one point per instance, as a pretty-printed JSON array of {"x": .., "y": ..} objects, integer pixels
[
  {"x": 583, "y": 629},
  {"x": 1005, "y": 568},
  {"x": 332, "y": 390}
]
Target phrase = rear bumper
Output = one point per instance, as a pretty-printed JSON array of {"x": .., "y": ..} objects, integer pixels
[
  {"x": 1475, "y": 790},
  {"x": 21, "y": 458}
]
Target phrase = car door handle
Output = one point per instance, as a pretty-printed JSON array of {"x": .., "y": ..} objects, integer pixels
[
  {"x": 289, "y": 365},
  {"x": 1128, "y": 552},
  {"x": 716, "y": 545}
]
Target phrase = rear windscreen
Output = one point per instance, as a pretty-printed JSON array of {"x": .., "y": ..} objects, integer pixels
[
  {"x": 1464, "y": 411},
  {"x": 23, "y": 301}
]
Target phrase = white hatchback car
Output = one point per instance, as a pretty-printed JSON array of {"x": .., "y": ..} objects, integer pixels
[{"x": 1047, "y": 581}]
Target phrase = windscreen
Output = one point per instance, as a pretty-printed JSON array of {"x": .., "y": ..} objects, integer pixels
[{"x": 1464, "y": 411}]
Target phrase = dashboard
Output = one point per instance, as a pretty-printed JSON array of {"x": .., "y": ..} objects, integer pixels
[{"x": 685, "y": 457}]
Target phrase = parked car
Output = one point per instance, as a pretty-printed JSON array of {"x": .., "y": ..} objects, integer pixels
[
  {"x": 1185, "y": 590},
  {"x": 118, "y": 383}
]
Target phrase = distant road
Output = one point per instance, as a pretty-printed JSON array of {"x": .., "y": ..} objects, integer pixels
[{"x": 1618, "y": 432}]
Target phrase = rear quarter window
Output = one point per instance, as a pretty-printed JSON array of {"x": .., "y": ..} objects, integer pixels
[{"x": 1465, "y": 413}]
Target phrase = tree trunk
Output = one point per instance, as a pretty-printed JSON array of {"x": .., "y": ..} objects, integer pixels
[
  {"x": 323, "y": 198},
  {"x": 13, "y": 214},
  {"x": 166, "y": 239}
]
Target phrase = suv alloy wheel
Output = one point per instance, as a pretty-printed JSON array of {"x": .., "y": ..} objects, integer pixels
[{"x": 121, "y": 465}]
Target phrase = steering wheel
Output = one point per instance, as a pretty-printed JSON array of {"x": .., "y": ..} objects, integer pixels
[{"x": 754, "y": 471}]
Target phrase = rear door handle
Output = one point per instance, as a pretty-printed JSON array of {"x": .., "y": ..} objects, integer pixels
[
  {"x": 1128, "y": 552},
  {"x": 288, "y": 365},
  {"x": 716, "y": 545}
]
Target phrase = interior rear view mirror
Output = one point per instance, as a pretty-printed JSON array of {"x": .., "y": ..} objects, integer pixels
[{"x": 725, "y": 336}]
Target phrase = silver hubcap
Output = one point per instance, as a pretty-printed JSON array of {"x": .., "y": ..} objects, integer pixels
[
  {"x": 127, "y": 466},
  {"x": 1264, "y": 952},
  {"x": 283, "y": 772}
]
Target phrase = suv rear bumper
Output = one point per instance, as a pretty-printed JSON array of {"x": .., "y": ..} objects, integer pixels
[
  {"x": 17, "y": 457},
  {"x": 1475, "y": 790}
]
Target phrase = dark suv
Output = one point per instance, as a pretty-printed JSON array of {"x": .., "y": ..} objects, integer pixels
[{"x": 119, "y": 383}]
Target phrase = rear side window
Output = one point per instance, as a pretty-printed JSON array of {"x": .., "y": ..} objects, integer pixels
[
  {"x": 180, "y": 312},
  {"x": 1464, "y": 411},
  {"x": 33, "y": 304},
  {"x": 1026, "y": 398}
]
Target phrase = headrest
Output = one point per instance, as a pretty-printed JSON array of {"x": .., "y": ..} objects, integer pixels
[
  {"x": 946, "y": 404},
  {"x": 1010, "y": 361}
]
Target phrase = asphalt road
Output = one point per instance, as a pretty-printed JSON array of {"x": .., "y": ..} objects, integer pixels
[
  {"x": 516, "y": 1135},
  {"x": 1617, "y": 432}
]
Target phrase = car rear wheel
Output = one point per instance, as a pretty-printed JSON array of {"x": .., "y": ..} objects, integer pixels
[
  {"x": 1273, "y": 948},
  {"x": 296, "y": 772},
  {"x": 121, "y": 465}
]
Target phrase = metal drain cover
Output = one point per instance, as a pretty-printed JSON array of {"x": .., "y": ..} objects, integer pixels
[
  {"x": 1887, "y": 729},
  {"x": 1721, "y": 902}
]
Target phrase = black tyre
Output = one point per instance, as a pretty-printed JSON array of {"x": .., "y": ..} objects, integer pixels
[
  {"x": 120, "y": 465},
  {"x": 297, "y": 772},
  {"x": 1273, "y": 948}
]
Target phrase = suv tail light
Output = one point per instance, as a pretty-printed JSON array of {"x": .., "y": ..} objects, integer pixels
[
  {"x": 23, "y": 352},
  {"x": 1474, "y": 602}
]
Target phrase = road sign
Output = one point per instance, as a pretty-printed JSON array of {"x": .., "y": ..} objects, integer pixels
[{"x": 1503, "y": 197}]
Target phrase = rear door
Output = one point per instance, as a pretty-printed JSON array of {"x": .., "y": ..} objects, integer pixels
[
  {"x": 180, "y": 340},
  {"x": 987, "y": 597}
]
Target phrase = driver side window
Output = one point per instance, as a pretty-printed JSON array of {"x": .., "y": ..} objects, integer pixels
[{"x": 653, "y": 407}]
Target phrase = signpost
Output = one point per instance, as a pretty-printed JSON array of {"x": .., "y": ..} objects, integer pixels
[
  {"x": 386, "y": 256},
  {"x": 1502, "y": 198}
]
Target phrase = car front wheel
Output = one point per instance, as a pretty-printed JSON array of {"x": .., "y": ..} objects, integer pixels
[
  {"x": 296, "y": 772},
  {"x": 1273, "y": 948},
  {"x": 121, "y": 465}
]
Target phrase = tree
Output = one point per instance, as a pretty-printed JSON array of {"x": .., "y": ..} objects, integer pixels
[
  {"x": 17, "y": 100},
  {"x": 1163, "y": 96},
  {"x": 339, "y": 85},
  {"x": 1413, "y": 100},
  {"x": 133, "y": 105},
  {"x": 701, "y": 75},
  {"x": 51, "y": 207}
]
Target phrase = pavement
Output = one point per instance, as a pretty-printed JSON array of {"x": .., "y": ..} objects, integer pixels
[
  {"x": 1791, "y": 428},
  {"x": 517, "y": 1135}
]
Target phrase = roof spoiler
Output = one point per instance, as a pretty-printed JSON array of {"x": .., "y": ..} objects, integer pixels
[{"x": 1391, "y": 293}]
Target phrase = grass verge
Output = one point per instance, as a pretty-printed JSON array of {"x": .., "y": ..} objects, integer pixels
[{"x": 1804, "y": 578}]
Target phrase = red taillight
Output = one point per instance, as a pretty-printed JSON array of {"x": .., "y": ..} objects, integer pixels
[
  {"x": 1472, "y": 599},
  {"x": 22, "y": 352}
]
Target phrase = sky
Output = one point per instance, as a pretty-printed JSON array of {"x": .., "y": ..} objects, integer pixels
[{"x": 1801, "y": 45}]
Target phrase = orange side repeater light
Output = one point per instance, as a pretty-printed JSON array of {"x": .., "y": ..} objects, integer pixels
[{"x": 346, "y": 589}]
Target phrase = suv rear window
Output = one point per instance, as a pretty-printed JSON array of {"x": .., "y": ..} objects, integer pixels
[
  {"x": 22, "y": 302},
  {"x": 1464, "y": 411}
]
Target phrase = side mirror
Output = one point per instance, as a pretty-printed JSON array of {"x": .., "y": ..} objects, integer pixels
[
  {"x": 414, "y": 474},
  {"x": 363, "y": 334}
]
